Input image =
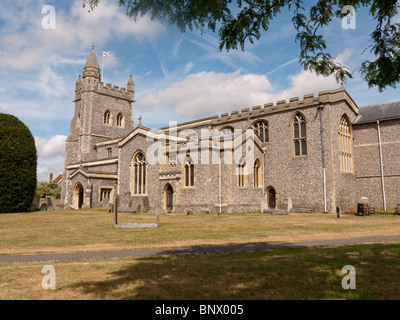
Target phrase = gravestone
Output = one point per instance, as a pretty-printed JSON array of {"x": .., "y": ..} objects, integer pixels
[
  {"x": 263, "y": 205},
  {"x": 289, "y": 204}
]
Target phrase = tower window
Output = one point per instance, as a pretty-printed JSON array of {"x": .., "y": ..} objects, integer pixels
[
  {"x": 107, "y": 117},
  {"x": 120, "y": 120}
]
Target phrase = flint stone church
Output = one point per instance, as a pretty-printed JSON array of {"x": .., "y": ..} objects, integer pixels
[{"x": 320, "y": 153}]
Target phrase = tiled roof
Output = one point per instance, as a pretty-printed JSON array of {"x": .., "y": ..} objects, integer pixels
[
  {"x": 380, "y": 111},
  {"x": 58, "y": 179}
]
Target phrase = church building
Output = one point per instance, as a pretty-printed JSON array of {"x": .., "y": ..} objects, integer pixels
[{"x": 319, "y": 153}]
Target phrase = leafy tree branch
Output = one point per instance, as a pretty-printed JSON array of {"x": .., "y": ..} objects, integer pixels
[{"x": 242, "y": 21}]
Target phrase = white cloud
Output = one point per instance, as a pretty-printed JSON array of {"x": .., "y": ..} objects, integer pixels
[
  {"x": 45, "y": 167},
  {"x": 345, "y": 55},
  {"x": 306, "y": 82},
  {"x": 3, "y": 109},
  {"x": 208, "y": 93},
  {"x": 51, "y": 155},
  {"x": 26, "y": 45},
  {"x": 51, "y": 148}
]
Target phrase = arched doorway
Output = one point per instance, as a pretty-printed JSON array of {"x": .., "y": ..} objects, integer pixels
[
  {"x": 270, "y": 195},
  {"x": 169, "y": 197},
  {"x": 78, "y": 196}
]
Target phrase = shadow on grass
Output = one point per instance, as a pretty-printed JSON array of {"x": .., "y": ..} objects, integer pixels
[{"x": 263, "y": 275}]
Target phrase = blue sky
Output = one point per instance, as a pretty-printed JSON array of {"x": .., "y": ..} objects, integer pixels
[{"x": 178, "y": 76}]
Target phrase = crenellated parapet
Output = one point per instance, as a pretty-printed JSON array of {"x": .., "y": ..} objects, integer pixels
[
  {"x": 106, "y": 89},
  {"x": 114, "y": 91},
  {"x": 309, "y": 100}
]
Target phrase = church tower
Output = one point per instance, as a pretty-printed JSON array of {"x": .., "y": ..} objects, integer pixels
[{"x": 102, "y": 112}]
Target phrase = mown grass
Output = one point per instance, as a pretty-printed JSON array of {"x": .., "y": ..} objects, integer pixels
[
  {"x": 93, "y": 229},
  {"x": 314, "y": 273}
]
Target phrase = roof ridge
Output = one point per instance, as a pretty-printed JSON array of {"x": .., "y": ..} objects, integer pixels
[{"x": 381, "y": 103}]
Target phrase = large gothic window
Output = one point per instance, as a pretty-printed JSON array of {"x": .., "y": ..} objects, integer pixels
[
  {"x": 346, "y": 145},
  {"x": 189, "y": 172},
  {"x": 299, "y": 135},
  {"x": 139, "y": 174},
  {"x": 261, "y": 129}
]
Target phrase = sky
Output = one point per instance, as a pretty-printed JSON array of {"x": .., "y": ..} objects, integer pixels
[{"x": 178, "y": 76}]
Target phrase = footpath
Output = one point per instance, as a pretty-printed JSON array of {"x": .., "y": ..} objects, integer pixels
[{"x": 192, "y": 250}]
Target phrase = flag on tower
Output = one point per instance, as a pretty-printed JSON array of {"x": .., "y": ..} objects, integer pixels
[{"x": 105, "y": 54}]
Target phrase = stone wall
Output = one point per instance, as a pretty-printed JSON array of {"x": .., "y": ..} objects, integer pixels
[
  {"x": 99, "y": 156},
  {"x": 368, "y": 167}
]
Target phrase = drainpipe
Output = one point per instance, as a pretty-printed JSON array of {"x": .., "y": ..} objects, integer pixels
[
  {"x": 381, "y": 162},
  {"x": 219, "y": 184},
  {"x": 321, "y": 131},
  {"x": 324, "y": 173},
  {"x": 263, "y": 174}
]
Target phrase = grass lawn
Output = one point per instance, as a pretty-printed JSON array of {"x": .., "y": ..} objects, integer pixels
[
  {"x": 313, "y": 273},
  {"x": 283, "y": 274},
  {"x": 93, "y": 229}
]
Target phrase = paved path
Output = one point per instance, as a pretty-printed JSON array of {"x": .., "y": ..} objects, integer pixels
[{"x": 193, "y": 250}]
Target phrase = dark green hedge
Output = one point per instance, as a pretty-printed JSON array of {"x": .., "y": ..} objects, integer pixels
[{"x": 18, "y": 162}]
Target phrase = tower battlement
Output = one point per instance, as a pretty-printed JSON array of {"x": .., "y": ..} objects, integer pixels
[{"x": 114, "y": 91}]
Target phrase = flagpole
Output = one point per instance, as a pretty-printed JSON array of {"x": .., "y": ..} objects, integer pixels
[{"x": 105, "y": 53}]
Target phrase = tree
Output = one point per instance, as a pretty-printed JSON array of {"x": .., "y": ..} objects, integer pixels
[
  {"x": 51, "y": 188},
  {"x": 18, "y": 162},
  {"x": 240, "y": 21}
]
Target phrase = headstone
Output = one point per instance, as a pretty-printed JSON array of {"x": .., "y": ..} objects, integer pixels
[
  {"x": 338, "y": 211},
  {"x": 126, "y": 199},
  {"x": 263, "y": 205},
  {"x": 289, "y": 204},
  {"x": 115, "y": 209}
]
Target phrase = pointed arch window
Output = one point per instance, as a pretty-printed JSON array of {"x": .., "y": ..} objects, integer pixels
[
  {"x": 261, "y": 129},
  {"x": 107, "y": 117},
  {"x": 299, "y": 135},
  {"x": 257, "y": 173},
  {"x": 120, "y": 120},
  {"x": 139, "y": 174},
  {"x": 242, "y": 173},
  {"x": 189, "y": 172},
  {"x": 346, "y": 145},
  {"x": 227, "y": 131}
]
